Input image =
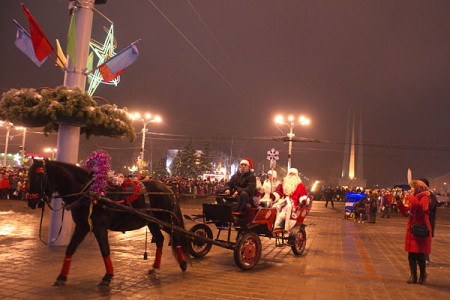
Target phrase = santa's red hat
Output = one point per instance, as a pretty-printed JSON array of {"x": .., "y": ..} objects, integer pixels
[{"x": 248, "y": 162}]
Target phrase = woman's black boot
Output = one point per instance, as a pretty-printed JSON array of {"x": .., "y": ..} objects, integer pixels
[
  {"x": 423, "y": 269},
  {"x": 413, "y": 267},
  {"x": 412, "y": 278}
]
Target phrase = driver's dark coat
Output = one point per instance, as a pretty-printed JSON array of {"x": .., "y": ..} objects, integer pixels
[{"x": 242, "y": 182}]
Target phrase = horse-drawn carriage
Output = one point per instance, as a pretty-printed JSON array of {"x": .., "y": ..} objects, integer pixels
[
  {"x": 247, "y": 230},
  {"x": 98, "y": 214}
]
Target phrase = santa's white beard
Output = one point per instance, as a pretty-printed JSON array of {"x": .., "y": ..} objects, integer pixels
[{"x": 290, "y": 183}]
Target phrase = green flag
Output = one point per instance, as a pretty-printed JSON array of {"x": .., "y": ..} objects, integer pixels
[
  {"x": 72, "y": 39},
  {"x": 90, "y": 64}
]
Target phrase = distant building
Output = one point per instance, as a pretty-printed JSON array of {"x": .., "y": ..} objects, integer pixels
[{"x": 352, "y": 166}]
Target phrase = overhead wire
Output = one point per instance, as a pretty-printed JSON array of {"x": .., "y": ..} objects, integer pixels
[
  {"x": 230, "y": 85},
  {"x": 208, "y": 29}
]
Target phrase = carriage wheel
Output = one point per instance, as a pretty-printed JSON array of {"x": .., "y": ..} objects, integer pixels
[
  {"x": 297, "y": 236},
  {"x": 247, "y": 251},
  {"x": 197, "y": 247}
]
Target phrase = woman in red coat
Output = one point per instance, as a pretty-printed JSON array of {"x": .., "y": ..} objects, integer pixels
[{"x": 418, "y": 214}]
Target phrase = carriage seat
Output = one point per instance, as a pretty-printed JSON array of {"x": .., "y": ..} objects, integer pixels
[{"x": 266, "y": 216}]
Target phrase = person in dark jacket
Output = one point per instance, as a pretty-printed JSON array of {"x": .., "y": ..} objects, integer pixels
[
  {"x": 242, "y": 185},
  {"x": 433, "y": 208},
  {"x": 373, "y": 206},
  {"x": 328, "y": 194},
  {"x": 418, "y": 215}
]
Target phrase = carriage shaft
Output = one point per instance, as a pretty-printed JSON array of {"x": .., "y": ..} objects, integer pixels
[{"x": 165, "y": 224}]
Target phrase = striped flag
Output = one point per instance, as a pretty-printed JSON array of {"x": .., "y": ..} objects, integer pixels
[
  {"x": 117, "y": 64},
  {"x": 24, "y": 43}
]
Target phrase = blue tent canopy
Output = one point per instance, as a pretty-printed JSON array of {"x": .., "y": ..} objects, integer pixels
[{"x": 352, "y": 198}]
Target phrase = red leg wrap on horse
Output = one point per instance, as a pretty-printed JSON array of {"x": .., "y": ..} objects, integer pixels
[
  {"x": 66, "y": 265},
  {"x": 180, "y": 254},
  {"x": 108, "y": 265},
  {"x": 158, "y": 255}
]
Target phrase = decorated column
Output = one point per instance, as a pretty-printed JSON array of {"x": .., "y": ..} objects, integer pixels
[{"x": 69, "y": 134}]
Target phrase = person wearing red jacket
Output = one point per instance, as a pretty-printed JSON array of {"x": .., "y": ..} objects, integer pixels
[
  {"x": 288, "y": 196},
  {"x": 5, "y": 186},
  {"x": 418, "y": 214}
]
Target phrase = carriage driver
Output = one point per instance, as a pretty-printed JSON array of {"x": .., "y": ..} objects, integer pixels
[
  {"x": 288, "y": 196},
  {"x": 242, "y": 185}
]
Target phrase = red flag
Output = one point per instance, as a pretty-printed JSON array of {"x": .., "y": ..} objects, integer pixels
[
  {"x": 24, "y": 43},
  {"x": 42, "y": 47}
]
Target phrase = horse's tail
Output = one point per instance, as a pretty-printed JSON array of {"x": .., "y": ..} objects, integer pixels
[
  {"x": 168, "y": 201},
  {"x": 182, "y": 238}
]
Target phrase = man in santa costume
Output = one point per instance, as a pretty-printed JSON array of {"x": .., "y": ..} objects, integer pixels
[
  {"x": 242, "y": 185},
  {"x": 288, "y": 197}
]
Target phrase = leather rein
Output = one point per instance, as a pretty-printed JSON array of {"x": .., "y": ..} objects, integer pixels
[{"x": 44, "y": 199}]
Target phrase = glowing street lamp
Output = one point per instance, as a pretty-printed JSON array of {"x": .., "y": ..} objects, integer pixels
[
  {"x": 291, "y": 122},
  {"x": 314, "y": 186},
  {"x": 146, "y": 119}
]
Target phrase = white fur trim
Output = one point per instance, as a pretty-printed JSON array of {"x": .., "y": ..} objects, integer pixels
[
  {"x": 304, "y": 200},
  {"x": 293, "y": 170},
  {"x": 277, "y": 196}
]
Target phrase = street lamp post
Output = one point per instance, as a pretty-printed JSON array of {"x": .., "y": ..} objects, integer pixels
[
  {"x": 52, "y": 152},
  {"x": 8, "y": 129},
  {"x": 22, "y": 154},
  {"x": 147, "y": 119},
  {"x": 291, "y": 122}
]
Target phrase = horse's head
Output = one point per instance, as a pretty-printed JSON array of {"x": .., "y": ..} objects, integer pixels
[{"x": 38, "y": 191}]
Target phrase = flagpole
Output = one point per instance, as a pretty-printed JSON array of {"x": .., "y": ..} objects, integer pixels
[{"x": 68, "y": 134}]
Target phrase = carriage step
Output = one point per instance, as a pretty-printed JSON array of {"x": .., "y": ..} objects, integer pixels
[
  {"x": 193, "y": 218},
  {"x": 238, "y": 213}
]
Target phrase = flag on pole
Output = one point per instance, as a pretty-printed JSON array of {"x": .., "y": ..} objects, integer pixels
[
  {"x": 24, "y": 43},
  {"x": 42, "y": 47},
  {"x": 90, "y": 65},
  {"x": 117, "y": 64},
  {"x": 90, "y": 61},
  {"x": 72, "y": 38},
  {"x": 61, "y": 60}
]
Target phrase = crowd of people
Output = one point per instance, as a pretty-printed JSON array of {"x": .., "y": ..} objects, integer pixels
[
  {"x": 287, "y": 195},
  {"x": 12, "y": 183},
  {"x": 419, "y": 205}
]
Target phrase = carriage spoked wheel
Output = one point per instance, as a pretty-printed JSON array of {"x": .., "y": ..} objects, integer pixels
[
  {"x": 197, "y": 247},
  {"x": 297, "y": 239},
  {"x": 247, "y": 251}
]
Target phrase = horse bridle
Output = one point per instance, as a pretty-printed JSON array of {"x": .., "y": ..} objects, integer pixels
[
  {"x": 44, "y": 198},
  {"x": 41, "y": 196}
]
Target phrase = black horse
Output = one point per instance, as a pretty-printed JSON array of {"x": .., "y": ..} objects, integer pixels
[{"x": 72, "y": 182}]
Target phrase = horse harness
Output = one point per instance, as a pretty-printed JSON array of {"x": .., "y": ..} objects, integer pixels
[{"x": 44, "y": 199}]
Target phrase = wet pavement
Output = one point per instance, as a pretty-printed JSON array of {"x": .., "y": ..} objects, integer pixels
[{"x": 343, "y": 260}]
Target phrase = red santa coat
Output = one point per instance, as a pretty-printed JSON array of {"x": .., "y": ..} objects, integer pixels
[
  {"x": 418, "y": 213},
  {"x": 295, "y": 196}
]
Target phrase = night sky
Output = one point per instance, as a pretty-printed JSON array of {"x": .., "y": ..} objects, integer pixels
[{"x": 220, "y": 71}]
